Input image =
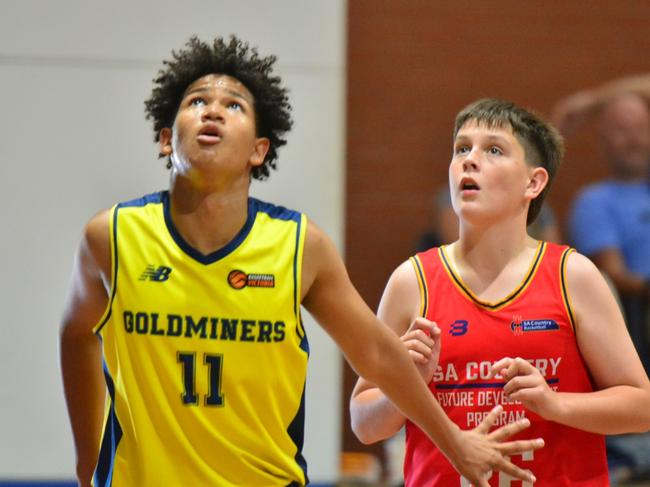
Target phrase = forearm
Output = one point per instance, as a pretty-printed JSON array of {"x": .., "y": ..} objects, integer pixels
[
  {"x": 374, "y": 417},
  {"x": 390, "y": 367},
  {"x": 84, "y": 388},
  {"x": 615, "y": 410}
]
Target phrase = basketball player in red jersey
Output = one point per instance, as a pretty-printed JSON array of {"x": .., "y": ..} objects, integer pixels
[{"x": 527, "y": 325}]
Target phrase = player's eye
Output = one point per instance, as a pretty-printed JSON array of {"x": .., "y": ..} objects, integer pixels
[
  {"x": 197, "y": 101},
  {"x": 494, "y": 150}
]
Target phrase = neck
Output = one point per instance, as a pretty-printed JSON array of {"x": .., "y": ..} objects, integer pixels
[
  {"x": 208, "y": 218},
  {"x": 490, "y": 246},
  {"x": 482, "y": 253}
]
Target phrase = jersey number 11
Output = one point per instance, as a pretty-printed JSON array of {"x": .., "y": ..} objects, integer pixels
[{"x": 215, "y": 366}]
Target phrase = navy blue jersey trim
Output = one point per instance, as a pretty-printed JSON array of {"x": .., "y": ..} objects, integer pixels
[
  {"x": 296, "y": 432},
  {"x": 144, "y": 200},
  {"x": 112, "y": 435},
  {"x": 276, "y": 211},
  {"x": 304, "y": 342},
  {"x": 114, "y": 276},
  {"x": 218, "y": 254},
  {"x": 300, "y": 330},
  {"x": 295, "y": 270}
]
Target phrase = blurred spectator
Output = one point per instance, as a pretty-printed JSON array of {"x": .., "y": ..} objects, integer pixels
[
  {"x": 444, "y": 224},
  {"x": 572, "y": 110},
  {"x": 610, "y": 220}
]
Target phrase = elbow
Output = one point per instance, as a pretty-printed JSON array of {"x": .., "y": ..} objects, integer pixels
[
  {"x": 370, "y": 425},
  {"x": 365, "y": 440},
  {"x": 358, "y": 425},
  {"x": 363, "y": 434},
  {"x": 642, "y": 423}
]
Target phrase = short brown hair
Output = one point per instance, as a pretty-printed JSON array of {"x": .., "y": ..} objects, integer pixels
[{"x": 542, "y": 143}]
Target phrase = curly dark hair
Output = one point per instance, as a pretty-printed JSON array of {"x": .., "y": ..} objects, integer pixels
[
  {"x": 234, "y": 58},
  {"x": 542, "y": 143}
]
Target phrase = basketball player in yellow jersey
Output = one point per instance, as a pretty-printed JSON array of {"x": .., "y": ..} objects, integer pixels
[{"x": 185, "y": 306}]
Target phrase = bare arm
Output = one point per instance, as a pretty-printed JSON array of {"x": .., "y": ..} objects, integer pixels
[
  {"x": 81, "y": 361},
  {"x": 375, "y": 352},
  {"x": 374, "y": 416},
  {"x": 621, "y": 403}
]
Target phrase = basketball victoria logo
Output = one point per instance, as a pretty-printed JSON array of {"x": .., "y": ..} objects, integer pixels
[{"x": 238, "y": 279}]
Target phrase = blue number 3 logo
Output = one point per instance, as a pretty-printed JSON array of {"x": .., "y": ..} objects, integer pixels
[{"x": 458, "y": 328}]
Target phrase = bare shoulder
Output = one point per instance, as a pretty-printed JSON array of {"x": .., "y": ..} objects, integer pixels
[
  {"x": 403, "y": 286},
  {"x": 91, "y": 277},
  {"x": 400, "y": 302},
  {"x": 315, "y": 238},
  {"x": 580, "y": 271},
  {"x": 591, "y": 298},
  {"x": 321, "y": 261},
  {"x": 404, "y": 276},
  {"x": 96, "y": 241}
]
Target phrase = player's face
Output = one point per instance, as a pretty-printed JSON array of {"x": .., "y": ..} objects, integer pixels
[
  {"x": 214, "y": 131},
  {"x": 489, "y": 177}
]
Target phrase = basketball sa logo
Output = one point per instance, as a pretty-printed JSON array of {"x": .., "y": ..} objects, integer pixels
[{"x": 238, "y": 279}]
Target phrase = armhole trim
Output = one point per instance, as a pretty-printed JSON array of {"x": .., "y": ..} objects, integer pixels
[
  {"x": 301, "y": 229},
  {"x": 112, "y": 231},
  {"x": 564, "y": 290},
  {"x": 422, "y": 284}
]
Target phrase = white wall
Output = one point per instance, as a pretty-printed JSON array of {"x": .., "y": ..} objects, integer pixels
[{"x": 73, "y": 77}]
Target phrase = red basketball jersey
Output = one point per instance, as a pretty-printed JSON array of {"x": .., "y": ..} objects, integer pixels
[{"x": 533, "y": 322}]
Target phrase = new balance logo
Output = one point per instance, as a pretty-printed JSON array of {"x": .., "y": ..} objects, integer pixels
[{"x": 156, "y": 274}]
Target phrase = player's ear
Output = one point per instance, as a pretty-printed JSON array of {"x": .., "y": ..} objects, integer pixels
[
  {"x": 260, "y": 149},
  {"x": 537, "y": 181},
  {"x": 165, "y": 142}
]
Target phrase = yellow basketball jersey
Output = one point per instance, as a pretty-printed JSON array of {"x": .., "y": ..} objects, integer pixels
[{"x": 205, "y": 357}]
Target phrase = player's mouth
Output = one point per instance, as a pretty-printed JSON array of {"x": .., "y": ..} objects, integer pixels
[
  {"x": 210, "y": 134},
  {"x": 468, "y": 186}
]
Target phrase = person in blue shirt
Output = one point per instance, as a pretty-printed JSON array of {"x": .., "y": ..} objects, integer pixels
[{"x": 610, "y": 222}]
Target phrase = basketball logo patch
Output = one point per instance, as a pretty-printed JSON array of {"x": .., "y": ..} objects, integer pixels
[{"x": 238, "y": 279}]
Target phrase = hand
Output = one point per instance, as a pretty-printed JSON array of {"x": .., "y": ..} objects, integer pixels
[
  {"x": 525, "y": 383},
  {"x": 481, "y": 452},
  {"x": 422, "y": 340}
]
